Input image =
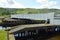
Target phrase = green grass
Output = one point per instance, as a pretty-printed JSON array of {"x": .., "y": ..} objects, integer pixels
[
  {"x": 2, "y": 35},
  {"x": 0, "y": 21}
]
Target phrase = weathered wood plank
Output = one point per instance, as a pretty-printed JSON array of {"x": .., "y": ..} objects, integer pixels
[{"x": 20, "y": 27}]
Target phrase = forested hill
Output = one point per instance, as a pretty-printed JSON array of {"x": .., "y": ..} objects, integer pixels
[{"x": 8, "y": 11}]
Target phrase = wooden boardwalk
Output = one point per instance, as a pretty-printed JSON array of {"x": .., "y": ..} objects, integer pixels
[{"x": 27, "y": 26}]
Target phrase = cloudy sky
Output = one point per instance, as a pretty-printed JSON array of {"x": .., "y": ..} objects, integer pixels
[{"x": 30, "y": 3}]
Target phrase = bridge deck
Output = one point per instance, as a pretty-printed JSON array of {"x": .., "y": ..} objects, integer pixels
[{"x": 20, "y": 27}]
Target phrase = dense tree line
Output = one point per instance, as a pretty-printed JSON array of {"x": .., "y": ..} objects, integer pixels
[{"x": 9, "y": 11}]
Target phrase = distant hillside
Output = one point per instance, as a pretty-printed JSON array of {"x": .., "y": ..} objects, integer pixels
[{"x": 8, "y": 11}]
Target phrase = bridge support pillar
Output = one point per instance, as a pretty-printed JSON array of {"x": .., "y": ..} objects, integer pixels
[{"x": 11, "y": 37}]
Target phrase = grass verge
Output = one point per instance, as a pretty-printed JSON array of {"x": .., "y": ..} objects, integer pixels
[{"x": 3, "y": 35}]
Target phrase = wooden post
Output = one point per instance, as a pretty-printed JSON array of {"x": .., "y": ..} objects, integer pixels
[
  {"x": 11, "y": 37},
  {"x": 7, "y": 35}
]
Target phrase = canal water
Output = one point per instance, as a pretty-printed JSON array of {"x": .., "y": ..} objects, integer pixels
[{"x": 2, "y": 28}]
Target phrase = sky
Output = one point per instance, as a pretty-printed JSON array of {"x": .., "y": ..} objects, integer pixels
[{"x": 30, "y": 4}]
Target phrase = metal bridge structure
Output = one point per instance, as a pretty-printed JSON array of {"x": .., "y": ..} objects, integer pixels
[{"x": 26, "y": 29}]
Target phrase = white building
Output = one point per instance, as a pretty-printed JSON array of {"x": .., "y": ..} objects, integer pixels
[{"x": 54, "y": 18}]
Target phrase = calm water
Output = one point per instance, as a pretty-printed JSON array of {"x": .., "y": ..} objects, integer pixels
[{"x": 0, "y": 27}]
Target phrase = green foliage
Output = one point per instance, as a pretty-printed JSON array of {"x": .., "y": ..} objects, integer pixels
[
  {"x": 0, "y": 20},
  {"x": 9, "y": 11}
]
